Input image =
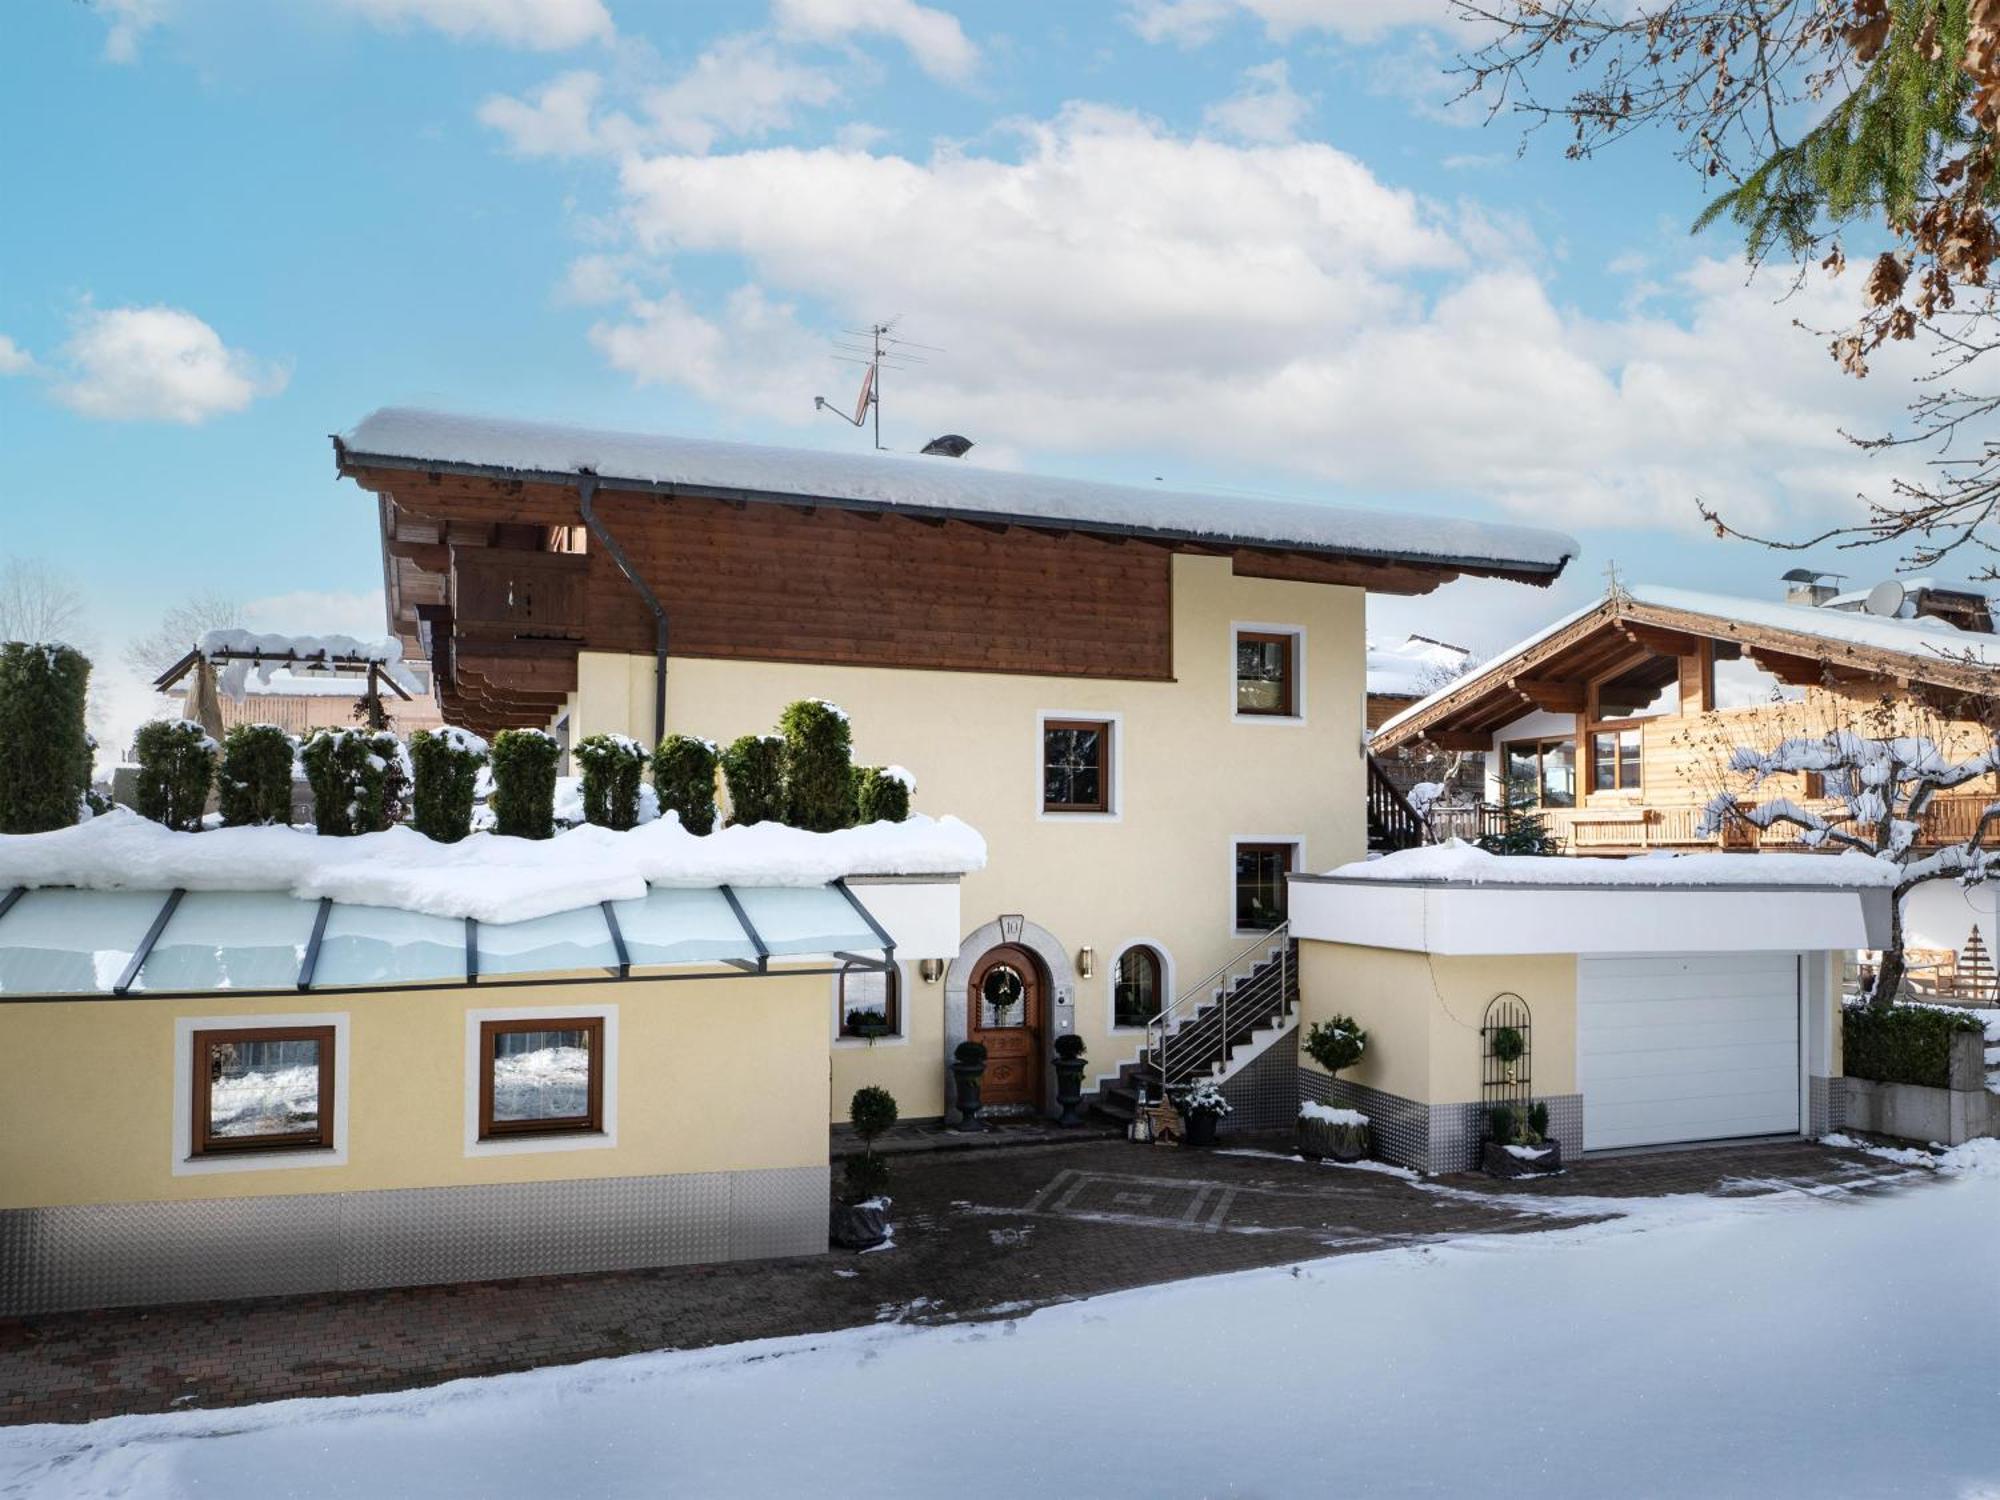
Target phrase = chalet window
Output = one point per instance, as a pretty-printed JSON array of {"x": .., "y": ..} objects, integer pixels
[
  {"x": 541, "y": 1077},
  {"x": 1260, "y": 885},
  {"x": 870, "y": 1000},
  {"x": 1615, "y": 760},
  {"x": 1136, "y": 987},
  {"x": 1541, "y": 773},
  {"x": 263, "y": 1089},
  {"x": 1076, "y": 766},
  {"x": 1267, "y": 673}
]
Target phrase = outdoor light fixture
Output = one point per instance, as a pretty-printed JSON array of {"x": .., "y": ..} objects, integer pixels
[
  {"x": 931, "y": 970},
  {"x": 1086, "y": 962}
]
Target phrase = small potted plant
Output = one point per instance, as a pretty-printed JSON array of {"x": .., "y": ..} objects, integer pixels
[
  {"x": 860, "y": 1218},
  {"x": 1202, "y": 1106},
  {"x": 867, "y": 1023},
  {"x": 1324, "y": 1130},
  {"x": 1069, "y": 1065},
  {"x": 968, "y": 1066},
  {"x": 1519, "y": 1144}
]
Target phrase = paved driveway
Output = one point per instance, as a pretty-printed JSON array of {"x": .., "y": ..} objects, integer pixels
[{"x": 977, "y": 1235}]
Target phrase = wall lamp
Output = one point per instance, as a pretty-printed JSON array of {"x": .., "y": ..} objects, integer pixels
[
  {"x": 1086, "y": 962},
  {"x": 930, "y": 970}
]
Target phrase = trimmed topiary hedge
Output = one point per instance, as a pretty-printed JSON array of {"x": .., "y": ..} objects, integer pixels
[
  {"x": 1902, "y": 1043},
  {"x": 176, "y": 769},
  {"x": 254, "y": 785},
  {"x": 360, "y": 780},
  {"x": 445, "y": 769},
  {"x": 884, "y": 796},
  {"x": 524, "y": 783},
  {"x": 684, "y": 780},
  {"x": 44, "y": 746},
  {"x": 754, "y": 767},
  {"x": 819, "y": 753},
  {"x": 613, "y": 767}
]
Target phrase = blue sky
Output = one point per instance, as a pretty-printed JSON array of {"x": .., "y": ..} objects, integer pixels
[{"x": 1239, "y": 244}]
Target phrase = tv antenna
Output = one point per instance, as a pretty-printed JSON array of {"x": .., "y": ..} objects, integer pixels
[{"x": 882, "y": 351}]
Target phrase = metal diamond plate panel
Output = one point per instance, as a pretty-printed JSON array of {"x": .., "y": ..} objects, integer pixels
[{"x": 778, "y": 1212}]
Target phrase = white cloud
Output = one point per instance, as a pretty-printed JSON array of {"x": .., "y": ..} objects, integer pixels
[
  {"x": 158, "y": 364},
  {"x": 1194, "y": 23},
  {"x": 362, "y": 613},
  {"x": 14, "y": 360},
  {"x": 1111, "y": 287},
  {"x": 740, "y": 87},
  {"x": 535, "y": 25},
  {"x": 128, "y": 21},
  {"x": 932, "y": 37},
  {"x": 1267, "y": 110}
]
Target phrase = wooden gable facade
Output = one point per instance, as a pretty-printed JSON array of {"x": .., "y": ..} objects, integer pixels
[{"x": 1613, "y": 724}]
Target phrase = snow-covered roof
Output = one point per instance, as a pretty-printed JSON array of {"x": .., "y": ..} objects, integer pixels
[
  {"x": 267, "y": 651},
  {"x": 485, "y": 876},
  {"x": 1456, "y": 862},
  {"x": 399, "y": 436},
  {"x": 1413, "y": 667}
]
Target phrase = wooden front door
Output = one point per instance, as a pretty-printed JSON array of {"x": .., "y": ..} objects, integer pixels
[{"x": 1004, "y": 1009}]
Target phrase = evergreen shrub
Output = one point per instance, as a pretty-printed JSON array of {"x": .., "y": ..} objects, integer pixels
[
  {"x": 885, "y": 795},
  {"x": 360, "y": 780},
  {"x": 819, "y": 752},
  {"x": 524, "y": 783},
  {"x": 613, "y": 768},
  {"x": 684, "y": 780},
  {"x": 754, "y": 767},
  {"x": 176, "y": 769},
  {"x": 445, "y": 768},
  {"x": 1902, "y": 1043},
  {"x": 44, "y": 746},
  {"x": 255, "y": 783}
]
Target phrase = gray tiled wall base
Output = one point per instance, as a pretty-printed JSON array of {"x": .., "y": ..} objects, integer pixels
[
  {"x": 122, "y": 1254},
  {"x": 1265, "y": 1095},
  {"x": 1432, "y": 1137},
  {"x": 1826, "y": 1103}
]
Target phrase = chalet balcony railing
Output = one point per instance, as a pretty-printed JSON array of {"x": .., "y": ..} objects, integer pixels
[
  {"x": 508, "y": 594},
  {"x": 1612, "y": 829}
]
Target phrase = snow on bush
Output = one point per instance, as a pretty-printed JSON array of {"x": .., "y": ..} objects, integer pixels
[
  {"x": 819, "y": 753},
  {"x": 360, "y": 780},
  {"x": 445, "y": 765},
  {"x": 881, "y": 797},
  {"x": 684, "y": 780},
  {"x": 176, "y": 768},
  {"x": 1203, "y": 1098},
  {"x": 754, "y": 768},
  {"x": 613, "y": 767},
  {"x": 254, "y": 784},
  {"x": 524, "y": 782}
]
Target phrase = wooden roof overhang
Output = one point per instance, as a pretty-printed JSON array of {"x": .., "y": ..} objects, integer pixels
[{"x": 1553, "y": 672}]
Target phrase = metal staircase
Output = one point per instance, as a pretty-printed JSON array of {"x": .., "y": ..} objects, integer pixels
[{"x": 1213, "y": 1027}]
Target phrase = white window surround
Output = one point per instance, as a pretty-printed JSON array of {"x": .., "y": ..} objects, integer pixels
[
  {"x": 1298, "y": 843},
  {"x": 187, "y": 1164},
  {"x": 525, "y": 1145},
  {"x": 900, "y": 1037},
  {"x": 1298, "y": 634},
  {"x": 1116, "y": 796},
  {"x": 1166, "y": 956}
]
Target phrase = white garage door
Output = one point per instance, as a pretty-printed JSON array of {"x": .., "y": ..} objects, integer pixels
[{"x": 1698, "y": 1047}]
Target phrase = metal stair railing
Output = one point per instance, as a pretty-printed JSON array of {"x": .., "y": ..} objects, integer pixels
[{"x": 1214, "y": 989}]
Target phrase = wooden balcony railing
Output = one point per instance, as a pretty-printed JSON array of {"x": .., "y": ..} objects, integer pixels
[
  {"x": 507, "y": 594},
  {"x": 1586, "y": 830}
]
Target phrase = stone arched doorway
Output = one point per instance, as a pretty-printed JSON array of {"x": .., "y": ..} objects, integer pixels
[{"x": 1058, "y": 1002}]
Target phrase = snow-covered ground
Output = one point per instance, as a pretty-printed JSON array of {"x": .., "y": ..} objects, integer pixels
[{"x": 1798, "y": 1344}]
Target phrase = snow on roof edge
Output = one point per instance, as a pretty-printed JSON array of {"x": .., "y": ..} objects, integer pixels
[
  {"x": 1458, "y": 863},
  {"x": 408, "y": 435}
]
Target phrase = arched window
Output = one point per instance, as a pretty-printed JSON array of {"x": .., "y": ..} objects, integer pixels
[
  {"x": 869, "y": 1001},
  {"x": 1136, "y": 987}
]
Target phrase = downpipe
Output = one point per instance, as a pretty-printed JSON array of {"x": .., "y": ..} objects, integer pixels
[{"x": 586, "y": 493}]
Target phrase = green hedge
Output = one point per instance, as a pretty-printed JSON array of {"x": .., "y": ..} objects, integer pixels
[
  {"x": 754, "y": 767},
  {"x": 176, "y": 769},
  {"x": 613, "y": 767},
  {"x": 254, "y": 785},
  {"x": 1902, "y": 1043},
  {"x": 684, "y": 780},
  {"x": 44, "y": 746},
  {"x": 884, "y": 796},
  {"x": 524, "y": 783},
  {"x": 360, "y": 780},
  {"x": 819, "y": 753},
  {"x": 445, "y": 767}
]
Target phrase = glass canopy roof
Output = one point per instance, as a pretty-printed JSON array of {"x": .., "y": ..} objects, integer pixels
[{"x": 60, "y": 941}]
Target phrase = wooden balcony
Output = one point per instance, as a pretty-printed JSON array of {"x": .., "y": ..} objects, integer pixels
[
  {"x": 501, "y": 594},
  {"x": 1633, "y": 830}
]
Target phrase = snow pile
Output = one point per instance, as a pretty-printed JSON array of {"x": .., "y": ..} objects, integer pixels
[
  {"x": 268, "y": 651},
  {"x": 1424, "y": 796},
  {"x": 569, "y": 802},
  {"x": 486, "y": 876},
  {"x": 928, "y": 484},
  {"x": 1456, "y": 862},
  {"x": 1326, "y": 1114}
]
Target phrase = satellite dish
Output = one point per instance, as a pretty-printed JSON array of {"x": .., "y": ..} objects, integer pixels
[
  {"x": 1886, "y": 599},
  {"x": 951, "y": 445}
]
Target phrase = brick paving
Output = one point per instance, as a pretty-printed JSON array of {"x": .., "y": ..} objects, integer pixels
[{"x": 977, "y": 1235}]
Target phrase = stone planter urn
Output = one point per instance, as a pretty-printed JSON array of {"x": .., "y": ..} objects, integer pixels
[
  {"x": 1328, "y": 1134},
  {"x": 1069, "y": 1066},
  {"x": 968, "y": 1067},
  {"x": 1497, "y": 1160}
]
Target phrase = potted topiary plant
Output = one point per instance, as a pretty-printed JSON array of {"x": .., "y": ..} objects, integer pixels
[
  {"x": 1324, "y": 1130},
  {"x": 968, "y": 1066},
  {"x": 1519, "y": 1144},
  {"x": 860, "y": 1219},
  {"x": 1202, "y": 1106},
  {"x": 1069, "y": 1065}
]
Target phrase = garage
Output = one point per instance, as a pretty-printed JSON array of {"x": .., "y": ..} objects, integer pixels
[{"x": 1687, "y": 1047}]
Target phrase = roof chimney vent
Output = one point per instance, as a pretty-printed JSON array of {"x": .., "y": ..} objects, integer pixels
[{"x": 1810, "y": 587}]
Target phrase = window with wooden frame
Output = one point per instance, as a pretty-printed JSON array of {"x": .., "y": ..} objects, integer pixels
[
  {"x": 539, "y": 1076},
  {"x": 870, "y": 1000},
  {"x": 1136, "y": 988},
  {"x": 1615, "y": 760},
  {"x": 1267, "y": 674},
  {"x": 1540, "y": 773},
  {"x": 1076, "y": 766},
  {"x": 1261, "y": 890},
  {"x": 263, "y": 1089}
]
